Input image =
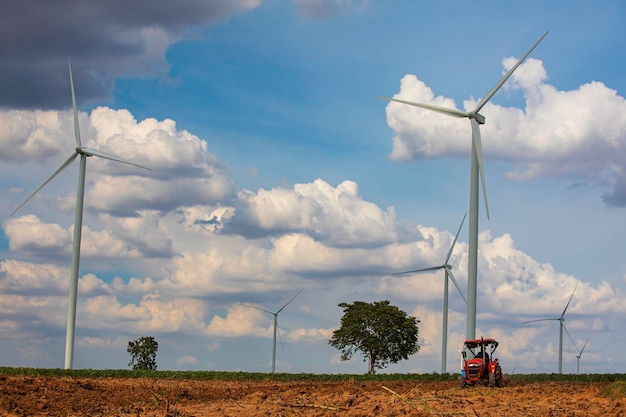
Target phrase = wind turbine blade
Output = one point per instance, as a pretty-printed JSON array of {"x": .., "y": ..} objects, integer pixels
[
  {"x": 476, "y": 143},
  {"x": 584, "y": 346},
  {"x": 570, "y": 300},
  {"x": 506, "y": 76},
  {"x": 94, "y": 152},
  {"x": 61, "y": 168},
  {"x": 281, "y": 309},
  {"x": 432, "y": 268},
  {"x": 258, "y": 308},
  {"x": 444, "y": 110},
  {"x": 532, "y": 321},
  {"x": 280, "y": 339},
  {"x": 456, "y": 284},
  {"x": 76, "y": 128},
  {"x": 455, "y": 238},
  {"x": 570, "y": 337}
]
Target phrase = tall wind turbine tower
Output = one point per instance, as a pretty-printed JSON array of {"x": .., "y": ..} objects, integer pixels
[
  {"x": 448, "y": 275},
  {"x": 275, "y": 314},
  {"x": 561, "y": 320},
  {"x": 78, "y": 220},
  {"x": 476, "y": 170}
]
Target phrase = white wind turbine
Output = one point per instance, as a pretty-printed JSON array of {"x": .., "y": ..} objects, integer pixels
[
  {"x": 448, "y": 275},
  {"x": 477, "y": 169},
  {"x": 561, "y": 320},
  {"x": 275, "y": 314},
  {"x": 78, "y": 220},
  {"x": 579, "y": 355}
]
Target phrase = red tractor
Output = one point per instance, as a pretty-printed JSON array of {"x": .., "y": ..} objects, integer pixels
[{"x": 478, "y": 366}]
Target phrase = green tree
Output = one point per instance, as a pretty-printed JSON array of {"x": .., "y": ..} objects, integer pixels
[
  {"x": 143, "y": 353},
  {"x": 383, "y": 333}
]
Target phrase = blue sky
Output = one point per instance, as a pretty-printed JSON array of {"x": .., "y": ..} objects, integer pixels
[{"x": 276, "y": 169}]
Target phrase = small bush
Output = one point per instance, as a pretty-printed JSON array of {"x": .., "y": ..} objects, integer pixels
[{"x": 616, "y": 390}]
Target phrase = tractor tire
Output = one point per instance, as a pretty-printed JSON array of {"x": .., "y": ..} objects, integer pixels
[
  {"x": 496, "y": 379},
  {"x": 499, "y": 378},
  {"x": 462, "y": 383}
]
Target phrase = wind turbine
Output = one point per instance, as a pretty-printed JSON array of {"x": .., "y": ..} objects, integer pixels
[
  {"x": 514, "y": 367},
  {"x": 448, "y": 274},
  {"x": 561, "y": 320},
  {"x": 78, "y": 220},
  {"x": 275, "y": 314},
  {"x": 477, "y": 169},
  {"x": 579, "y": 355}
]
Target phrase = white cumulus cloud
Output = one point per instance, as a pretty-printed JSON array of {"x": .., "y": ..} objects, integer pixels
[
  {"x": 578, "y": 134},
  {"x": 337, "y": 216}
]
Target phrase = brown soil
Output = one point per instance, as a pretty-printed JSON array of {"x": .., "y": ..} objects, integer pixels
[{"x": 49, "y": 396}]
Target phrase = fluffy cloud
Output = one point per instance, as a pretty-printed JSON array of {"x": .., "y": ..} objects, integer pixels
[
  {"x": 158, "y": 144},
  {"x": 143, "y": 234},
  {"x": 336, "y": 216},
  {"x": 185, "y": 173},
  {"x": 17, "y": 277},
  {"x": 227, "y": 266},
  {"x": 126, "y": 238},
  {"x": 26, "y": 135},
  {"x": 578, "y": 134},
  {"x": 30, "y": 235},
  {"x": 309, "y": 335},
  {"x": 125, "y": 196},
  {"x": 153, "y": 313},
  {"x": 514, "y": 283},
  {"x": 240, "y": 321}
]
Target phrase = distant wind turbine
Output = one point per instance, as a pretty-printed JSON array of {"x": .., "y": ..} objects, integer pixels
[
  {"x": 448, "y": 275},
  {"x": 477, "y": 169},
  {"x": 514, "y": 367},
  {"x": 275, "y": 314},
  {"x": 561, "y": 320},
  {"x": 579, "y": 355},
  {"x": 78, "y": 220}
]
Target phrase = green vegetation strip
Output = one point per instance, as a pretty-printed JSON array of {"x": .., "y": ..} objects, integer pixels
[
  {"x": 528, "y": 378},
  {"x": 218, "y": 375},
  {"x": 221, "y": 375}
]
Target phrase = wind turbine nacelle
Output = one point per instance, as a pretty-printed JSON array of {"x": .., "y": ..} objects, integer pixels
[{"x": 479, "y": 118}]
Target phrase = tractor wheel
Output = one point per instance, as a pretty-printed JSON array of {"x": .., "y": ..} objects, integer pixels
[
  {"x": 462, "y": 383},
  {"x": 492, "y": 380},
  {"x": 499, "y": 378}
]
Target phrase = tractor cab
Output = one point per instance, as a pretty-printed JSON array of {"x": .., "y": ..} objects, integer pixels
[{"x": 479, "y": 365}]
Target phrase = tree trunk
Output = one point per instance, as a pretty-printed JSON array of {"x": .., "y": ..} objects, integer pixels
[{"x": 372, "y": 360}]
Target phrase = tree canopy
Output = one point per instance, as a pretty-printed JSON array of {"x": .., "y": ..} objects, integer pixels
[
  {"x": 383, "y": 333},
  {"x": 143, "y": 353}
]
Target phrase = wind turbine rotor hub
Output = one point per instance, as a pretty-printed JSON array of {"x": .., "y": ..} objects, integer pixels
[
  {"x": 83, "y": 151},
  {"x": 478, "y": 117}
]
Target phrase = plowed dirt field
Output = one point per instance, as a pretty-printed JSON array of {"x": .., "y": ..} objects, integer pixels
[{"x": 55, "y": 396}]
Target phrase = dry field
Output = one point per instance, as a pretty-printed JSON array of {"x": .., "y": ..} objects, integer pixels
[{"x": 71, "y": 396}]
